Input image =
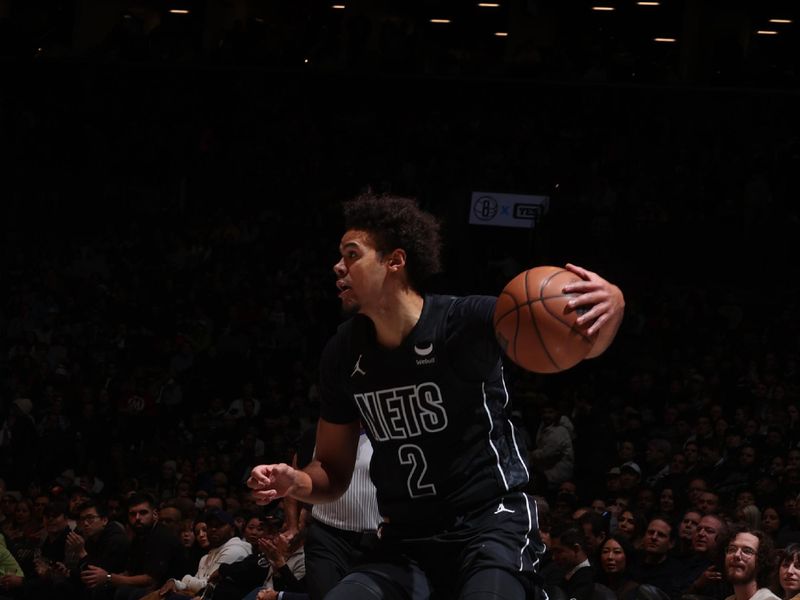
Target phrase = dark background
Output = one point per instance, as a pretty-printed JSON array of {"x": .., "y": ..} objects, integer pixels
[{"x": 162, "y": 170}]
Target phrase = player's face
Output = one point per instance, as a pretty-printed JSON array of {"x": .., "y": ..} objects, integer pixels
[{"x": 360, "y": 272}]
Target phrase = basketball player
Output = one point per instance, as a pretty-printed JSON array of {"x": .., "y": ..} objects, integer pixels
[{"x": 424, "y": 373}]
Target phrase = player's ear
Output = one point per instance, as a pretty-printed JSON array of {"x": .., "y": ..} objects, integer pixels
[{"x": 397, "y": 259}]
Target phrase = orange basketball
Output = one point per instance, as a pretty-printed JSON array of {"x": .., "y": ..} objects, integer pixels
[{"x": 534, "y": 325}]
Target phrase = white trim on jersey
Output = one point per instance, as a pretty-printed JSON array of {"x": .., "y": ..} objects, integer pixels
[
  {"x": 516, "y": 447},
  {"x": 527, "y": 534},
  {"x": 505, "y": 389},
  {"x": 491, "y": 428}
]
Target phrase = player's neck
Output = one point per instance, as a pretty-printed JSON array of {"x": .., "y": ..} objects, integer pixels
[{"x": 396, "y": 317}]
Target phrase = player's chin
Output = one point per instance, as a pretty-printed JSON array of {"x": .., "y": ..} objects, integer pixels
[{"x": 350, "y": 308}]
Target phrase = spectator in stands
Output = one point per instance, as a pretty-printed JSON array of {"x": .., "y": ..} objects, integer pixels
[
  {"x": 656, "y": 566},
  {"x": 749, "y": 561},
  {"x": 687, "y": 526},
  {"x": 155, "y": 555},
  {"x": 569, "y": 552},
  {"x": 617, "y": 568},
  {"x": 553, "y": 455},
  {"x": 225, "y": 547},
  {"x": 789, "y": 571},
  {"x": 631, "y": 525},
  {"x": 99, "y": 543},
  {"x": 595, "y": 531},
  {"x": 701, "y": 574}
]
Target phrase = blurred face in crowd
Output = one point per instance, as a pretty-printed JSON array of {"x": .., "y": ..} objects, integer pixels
[
  {"x": 565, "y": 556},
  {"x": 688, "y": 526},
  {"x": 690, "y": 452},
  {"x": 39, "y": 504},
  {"x": 666, "y": 501},
  {"x": 657, "y": 538},
  {"x": 612, "y": 557},
  {"x": 201, "y": 534},
  {"x": 770, "y": 520},
  {"x": 9, "y": 503},
  {"x": 22, "y": 514},
  {"x": 55, "y": 523},
  {"x": 91, "y": 523},
  {"x": 705, "y": 537},
  {"x": 708, "y": 503},
  {"x": 598, "y": 506},
  {"x": 741, "y": 559},
  {"x": 626, "y": 524},
  {"x": 626, "y": 451},
  {"x": 747, "y": 457},
  {"x": 142, "y": 517},
  {"x": 218, "y": 532},
  {"x": 170, "y": 517},
  {"x": 253, "y": 530},
  {"x": 677, "y": 464},
  {"x": 789, "y": 574},
  {"x": 744, "y": 498},
  {"x": 187, "y": 533},
  {"x": 75, "y": 501}
]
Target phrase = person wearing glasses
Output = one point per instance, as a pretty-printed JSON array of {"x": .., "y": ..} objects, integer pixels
[
  {"x": 749, "y": 555},
  {"x": 97, "y": 542}
]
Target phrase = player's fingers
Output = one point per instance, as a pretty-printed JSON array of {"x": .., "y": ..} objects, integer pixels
[
  {"x": 264, "y": 496},
  {"x": 597, "y": 325},
  {"x": 579, "y": 271}
]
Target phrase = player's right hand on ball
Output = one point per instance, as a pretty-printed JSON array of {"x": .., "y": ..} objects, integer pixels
[{"x": 269, "y": 482}]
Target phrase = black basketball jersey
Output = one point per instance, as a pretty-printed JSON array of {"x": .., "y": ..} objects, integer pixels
[{"x": 435, "y": 408}]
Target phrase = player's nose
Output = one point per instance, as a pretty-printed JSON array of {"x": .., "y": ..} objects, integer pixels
[{"x": 339, "y": 268}]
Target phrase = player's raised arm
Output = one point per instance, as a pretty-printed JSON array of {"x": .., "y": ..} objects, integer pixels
[
  {"x": 323, "y": 480},
  {"x": 605, "y": 303}
]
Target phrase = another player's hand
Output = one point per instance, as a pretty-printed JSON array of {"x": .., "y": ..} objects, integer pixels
[
  {"x": 269, "y": 482},
  {"x": 602, "y": 301}
]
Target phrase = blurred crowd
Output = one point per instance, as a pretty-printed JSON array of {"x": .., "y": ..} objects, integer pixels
[{"x": 160, "y": 336}]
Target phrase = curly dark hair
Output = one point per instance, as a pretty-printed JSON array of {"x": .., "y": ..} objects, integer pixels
[
  {"x": 765, "y": 558},
  {"x": 397, "y": 222}
]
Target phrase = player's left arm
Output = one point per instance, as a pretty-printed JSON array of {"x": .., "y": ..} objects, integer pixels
[{"x": 604, "y": 304}]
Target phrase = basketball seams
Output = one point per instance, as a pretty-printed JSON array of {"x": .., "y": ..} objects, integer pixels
[
  {"x": 556, "y": 315},
  {"x": 538, "y": 331},
  {"x": 545, "y": 337}
]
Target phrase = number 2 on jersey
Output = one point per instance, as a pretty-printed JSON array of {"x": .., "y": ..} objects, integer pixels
[{"x": 413, "y": 456}]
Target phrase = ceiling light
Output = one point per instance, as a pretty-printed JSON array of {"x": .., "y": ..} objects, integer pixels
[
  {"x": 649, "y": 3},
  {"x": 338, "y": 6},
  {"x": 783, "y": 21},
  {"x": 766, "y": 32},
  {"x": 664, "y": 40},
  {"x": 179, "y": 11},
  {"x": 488, "y": 5},
  {"x": 501, "y": 33},
  {"x": 603, "y": 8},
  {"x": 440, "y": 20}
]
